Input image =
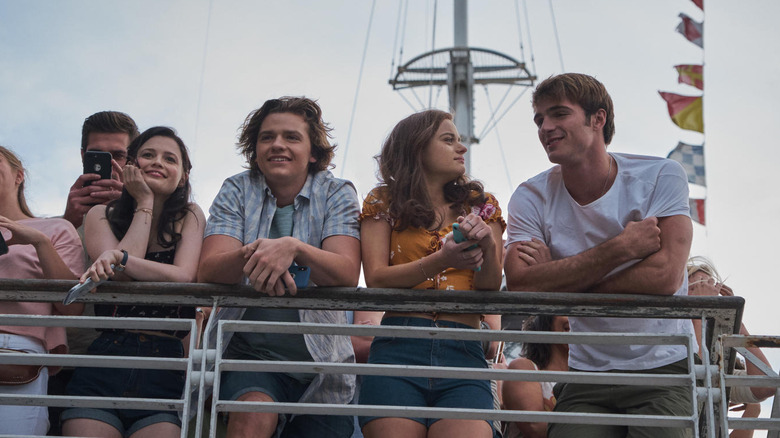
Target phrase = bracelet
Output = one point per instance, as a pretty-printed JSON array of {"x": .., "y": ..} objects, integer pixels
[
  {"x": 123, "y": 263},
  {"x": 144, "y": 210},
  {"x": 427, "y": 277}
]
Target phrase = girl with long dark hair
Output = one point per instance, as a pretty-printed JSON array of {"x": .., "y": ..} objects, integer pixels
[{"x": 151, "y": 233}]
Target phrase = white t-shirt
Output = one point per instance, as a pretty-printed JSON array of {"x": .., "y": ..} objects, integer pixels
[{"x": 645, "y": 186}]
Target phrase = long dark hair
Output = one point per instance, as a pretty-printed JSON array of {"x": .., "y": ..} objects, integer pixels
[
  {"x": 120, "y": 211},
  {"x": 401, "y": 174},
  {"x": 538, "y": 353}
]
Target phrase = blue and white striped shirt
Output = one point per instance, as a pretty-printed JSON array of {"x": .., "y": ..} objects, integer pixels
[{"x": 326, "y": 206}]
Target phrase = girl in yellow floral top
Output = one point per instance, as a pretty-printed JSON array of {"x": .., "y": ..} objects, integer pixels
[{"x": 406, "y": 241}]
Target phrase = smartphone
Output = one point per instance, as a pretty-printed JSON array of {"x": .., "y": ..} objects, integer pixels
[
  {"x": 97, "y": 162},
  {"x": 459, "y": 237},
  {"x": 3, "y": 245},
  {"x": 300, "y": 274}
]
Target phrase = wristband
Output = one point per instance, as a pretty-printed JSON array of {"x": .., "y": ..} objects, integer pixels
[{"x": 123, "y": 263}]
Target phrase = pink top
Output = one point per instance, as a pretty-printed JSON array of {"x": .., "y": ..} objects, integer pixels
[{"x": 21, "y": 262}]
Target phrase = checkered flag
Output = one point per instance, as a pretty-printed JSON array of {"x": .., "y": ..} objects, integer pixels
[{"x": 692, "y": 159}]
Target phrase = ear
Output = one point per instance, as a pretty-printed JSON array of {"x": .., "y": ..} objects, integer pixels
[
  {"x": 183, "y": 180},
  {"x": 19, "y": 178},
  {"x": 599, "y": 119},
  {"x": 312, "y": 159}
]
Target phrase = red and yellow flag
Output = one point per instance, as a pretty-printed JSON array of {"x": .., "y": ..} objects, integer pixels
[
  {"x": 685, "y": 111},
  {"x": 691, "y": 74}
]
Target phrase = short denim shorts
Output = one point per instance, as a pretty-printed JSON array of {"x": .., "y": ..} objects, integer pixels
[
  {"x": 423, "y": 391},
  {"x": 283, "y": 388},
  {"x": 121, "y": 382}
]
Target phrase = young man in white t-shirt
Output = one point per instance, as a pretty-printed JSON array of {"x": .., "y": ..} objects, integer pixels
[{"x": 604, "y": 223}]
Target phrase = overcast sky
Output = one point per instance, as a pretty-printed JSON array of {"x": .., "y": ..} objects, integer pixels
[{"x": 201, "y": 66}]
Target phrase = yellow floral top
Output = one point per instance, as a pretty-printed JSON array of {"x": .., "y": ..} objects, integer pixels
[{"x": 415, "y": 243}]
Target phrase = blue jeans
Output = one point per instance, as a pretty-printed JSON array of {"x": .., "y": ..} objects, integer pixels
[
  {"x": 283, "y": 388},
  {"x": 423, "y": 391},
  {"x": 121, "y": 382}
]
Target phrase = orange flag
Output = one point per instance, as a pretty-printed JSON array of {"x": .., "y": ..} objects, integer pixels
[
  {"x": 685, "y": 111},
  {"x": 691, "y": 75}
]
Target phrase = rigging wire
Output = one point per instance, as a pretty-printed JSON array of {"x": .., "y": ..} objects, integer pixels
[
  {"x": 357, "y": 88},
  {"x": 395, "y": 41},
  {"x": 507, "y": 110},
  {"x": 530, "y": 43},
  {"x": 519, "y": 30},
  {"x": 433, "y": 47},
  {"x": 493, "y": 113},
  {"x": 203, "y": 71},
  {"x": 498, "y": 139},
  {"x": 557, "y": 40}
]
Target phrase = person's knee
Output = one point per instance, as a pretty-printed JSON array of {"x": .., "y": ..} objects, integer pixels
[{"x": 252, "y": 424}]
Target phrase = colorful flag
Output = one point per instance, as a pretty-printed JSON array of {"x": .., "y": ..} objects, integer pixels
[
  {"x": 692, "y": 159},
  {"x": 697, "y": 210},
  {"x": 691, "y": 74},
  {"x": 699, "y": 3},
  {"x": 685, "y": 111},
  {"x": 692, "y": 30}
]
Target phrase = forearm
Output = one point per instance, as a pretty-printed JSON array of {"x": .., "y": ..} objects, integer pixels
[
  {"x": 489, "y": 275},
  {"x": 223, "y": 267},
  {"x": 135, "y": 240},
  {"x": 660, "y": 273},
  {"x": 405, "y": 275},
  {"x": 140, "y": 269},
  {"x": 572, "y": 274},
  {"x": 52, "y": 265},
  {"x": 330, "y": 268}
]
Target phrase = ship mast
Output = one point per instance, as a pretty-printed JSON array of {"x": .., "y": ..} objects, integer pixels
[{"x": 459, "y": 68}]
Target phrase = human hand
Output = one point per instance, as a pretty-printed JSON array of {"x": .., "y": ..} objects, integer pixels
[
  {"x": 21, "y": 234},
  {"x": 136, "y": 186},
  {"x": 461, "y": 255},
  {"x": 641, "y": 238},
  {"x": 476, "y": 230},
  {"x": 101, "y": 269},
  {"x": 267, "y": 261},
  {"x": 81, "y": 198},
  {"x": 533, "y": 252}
]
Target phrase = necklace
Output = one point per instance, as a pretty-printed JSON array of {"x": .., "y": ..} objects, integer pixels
[{"x": 609, "y": 173}]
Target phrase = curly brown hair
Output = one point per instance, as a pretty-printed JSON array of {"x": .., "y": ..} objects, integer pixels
[
  {"x": 319, "y": 131},
  {"x": 401, "y": 174}
]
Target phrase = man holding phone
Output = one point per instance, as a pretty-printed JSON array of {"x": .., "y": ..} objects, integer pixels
[
  {"x": 286, "y": 208},
  {"x": 106, "y": 131}
]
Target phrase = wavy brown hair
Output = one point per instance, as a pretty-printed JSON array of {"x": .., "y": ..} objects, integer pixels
[
  {"x": 584, "y": 90},
  {"x": 401, "y": 174},
  {"x": 319, "y": 131},
  {"x": 108, "y": 122}
]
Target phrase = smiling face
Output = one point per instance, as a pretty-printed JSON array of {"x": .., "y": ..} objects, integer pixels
[
  {"x": 284, "y": 149},
  {"x": 160, "y": 162},
  {"x": 566, "y": 134},
  {"x": 443, "y": 158}
]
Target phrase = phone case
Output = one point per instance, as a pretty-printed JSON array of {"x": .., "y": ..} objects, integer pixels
[
  {"x": 97, "y": 162},
  {"x": 300, "y": 274}
]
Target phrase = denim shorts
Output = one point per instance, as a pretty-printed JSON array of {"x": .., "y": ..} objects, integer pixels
[
  {"x": 284, "y": 388},
  {"x": 121, "y": 382},
  {"x": 423, "y": 391}
]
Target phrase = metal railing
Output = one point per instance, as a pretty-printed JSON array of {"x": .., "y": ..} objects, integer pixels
[{"x": 720, "y": 316}]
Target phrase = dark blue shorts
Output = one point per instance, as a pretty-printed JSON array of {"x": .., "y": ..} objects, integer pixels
[
  {"x": 423, "y": 391},
  {"x": 121, "y": 382},
  {"x": 284, "y": 388}
]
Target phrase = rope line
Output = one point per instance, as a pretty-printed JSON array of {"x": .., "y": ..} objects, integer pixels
[{"x": 357, "y": 88}]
